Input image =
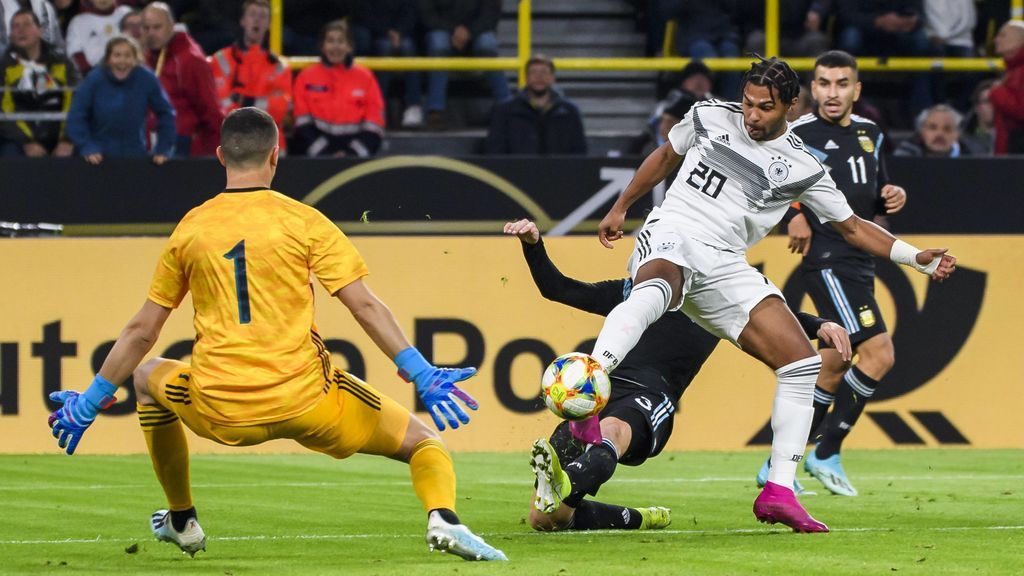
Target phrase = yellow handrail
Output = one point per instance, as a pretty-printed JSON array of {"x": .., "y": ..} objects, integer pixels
[
  {"x": 518, "y": 62},
  {"x": 1016, "y": 9}
]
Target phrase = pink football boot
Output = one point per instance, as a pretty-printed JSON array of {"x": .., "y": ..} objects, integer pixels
[{"x": 779, "y": 504}]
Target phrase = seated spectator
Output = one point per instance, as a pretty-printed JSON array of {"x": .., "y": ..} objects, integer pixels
[
  {"x": 45, "y": 13},
  {"x": 338, "y": 107},
  {"x": 459, "y": 27},
  {"x": 693, "y": 84},
  {"x": 706, "y": 30},
  {"x": 181, "y": 66},
  {"x": 89, "y": 32},
  {"x": 247, "y": 73},
  {"x": 888, "y": 28},
  {"x": 801, "y": 26},
  {"x": 938, "y": 134},
  {"x": 108, "y": 116},
  {"x": 303, "y": 20},
  {"x": 386, "y": 28},
  {"x": 131, "y": 26},
  {"x": 979, "y": 131},
  {"x": 537, "y": 120},
  {"x": 949, "y": 25},
  {"x": 1007, "y": 95},
  {"x": 37, "y": 79}
]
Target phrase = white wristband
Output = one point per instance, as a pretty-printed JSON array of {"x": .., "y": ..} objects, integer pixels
[{"x": 903, "y": 253}]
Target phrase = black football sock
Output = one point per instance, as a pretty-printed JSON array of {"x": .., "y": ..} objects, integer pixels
[
  {"x": 447, "y": 515},
  {"x": 566, "y": 446},
  {"x": 180, "y": 517},
  {"x": 591, "y": 515},
  {"x": 822, "y": 402},
  {"x": 854, "y": 392},
  {"x": 589, "y": 471}
]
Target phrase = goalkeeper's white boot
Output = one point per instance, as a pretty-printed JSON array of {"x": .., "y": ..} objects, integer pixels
[
  {"x": 553, "y": 483},
  {"x": 459, "y": 540},
  {"x": 191, "y": 540}
]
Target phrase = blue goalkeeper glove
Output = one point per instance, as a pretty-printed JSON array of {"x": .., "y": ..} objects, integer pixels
[
  {"x": 436, "y": 387},
  {"x": 71, "y": 420}
]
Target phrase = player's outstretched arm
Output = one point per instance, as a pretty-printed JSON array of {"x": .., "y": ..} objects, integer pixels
[
  {"x": 78, "y": 411},
  {"x": 596, "y": 298},
  {"x": 435, "y": 386},
  {"x": 875, "y": 240},
  {"x": 655, "y": 168}
]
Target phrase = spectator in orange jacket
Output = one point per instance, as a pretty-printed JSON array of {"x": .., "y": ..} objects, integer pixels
[
  {"x": 181, "y": 66},
  {"x": 1007, "y": 96},
  {"x": 247, "y": 73},
  {"x": 338, "y": 107}
]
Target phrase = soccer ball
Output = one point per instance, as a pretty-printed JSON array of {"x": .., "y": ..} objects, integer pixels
[{"x": 575, "y": 386}]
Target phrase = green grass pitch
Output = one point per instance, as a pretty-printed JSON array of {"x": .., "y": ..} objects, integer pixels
[{"x": 923, "y": 511}]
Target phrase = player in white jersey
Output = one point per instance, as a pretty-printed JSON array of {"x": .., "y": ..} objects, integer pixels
[{"x": 741, "y": 168}]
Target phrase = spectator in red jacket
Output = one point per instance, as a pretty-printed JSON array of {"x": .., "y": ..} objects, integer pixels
[
  {"x": 338, "y": 107},
  {"x": 247, "y": 73},
  {"x": 1007, "y": 96},
  {"x": 181, "y": 66}
]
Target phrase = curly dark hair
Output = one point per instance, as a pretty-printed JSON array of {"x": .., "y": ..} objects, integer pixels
[{"x": 776, "y": 75}]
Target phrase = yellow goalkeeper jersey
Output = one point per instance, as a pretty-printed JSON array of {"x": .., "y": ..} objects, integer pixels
[{"x": 247, "y": 256}]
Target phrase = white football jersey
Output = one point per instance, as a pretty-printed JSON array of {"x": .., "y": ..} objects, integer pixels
[
  {"x": 88, "y": 33},
  {"x": 731, "y": 190}
]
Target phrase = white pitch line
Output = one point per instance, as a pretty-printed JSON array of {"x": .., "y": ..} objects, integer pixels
[
  {"x": 524, "y": 481},
  {"x": 571, "y": 533}
]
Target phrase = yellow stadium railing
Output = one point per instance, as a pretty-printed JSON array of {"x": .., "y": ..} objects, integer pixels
[{"x": 524, "y": 41}]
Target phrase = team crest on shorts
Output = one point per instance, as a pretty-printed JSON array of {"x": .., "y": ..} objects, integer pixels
[
  {"x": 778, "y": 170},
  {"x": 867, "y": 318},
  {"x": 666, "y": 246},
  {"x": 866, "y": 144}
]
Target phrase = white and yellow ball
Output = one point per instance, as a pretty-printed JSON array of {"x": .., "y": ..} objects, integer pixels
[{"x": 575, "y": 386}]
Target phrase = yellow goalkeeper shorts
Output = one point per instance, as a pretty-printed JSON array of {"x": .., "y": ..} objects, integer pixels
[{"x": 349, "y": 414}]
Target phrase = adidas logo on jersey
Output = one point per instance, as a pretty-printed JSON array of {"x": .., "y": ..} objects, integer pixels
[
  {"x": 831, "y": 145},
  {"x": 724, "y": 139}
]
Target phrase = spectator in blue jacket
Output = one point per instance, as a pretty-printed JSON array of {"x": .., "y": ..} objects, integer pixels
[
  {"x": 538, "y": 120},
  {"x": 108, "y": 114}
]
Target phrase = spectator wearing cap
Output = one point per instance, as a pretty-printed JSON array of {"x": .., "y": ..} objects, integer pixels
[
  {"x": 538, "y": 120},
  {"x": 1007, "y": 95}
]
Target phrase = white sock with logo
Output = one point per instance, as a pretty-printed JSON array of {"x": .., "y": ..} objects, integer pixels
[
  {"x": 626, "y": 322},
  {"x": 792, "y": 412}
]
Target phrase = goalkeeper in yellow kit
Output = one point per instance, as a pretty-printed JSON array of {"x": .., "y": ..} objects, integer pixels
[{"x": 259, "y": 370}]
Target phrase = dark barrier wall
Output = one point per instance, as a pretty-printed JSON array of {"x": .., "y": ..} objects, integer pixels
[{"x": 432, "y": 194}]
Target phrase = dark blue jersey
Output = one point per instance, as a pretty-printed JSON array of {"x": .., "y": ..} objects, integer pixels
[{"x": 852, "y": 156}]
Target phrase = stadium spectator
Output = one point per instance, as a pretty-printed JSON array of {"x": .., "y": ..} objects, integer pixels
[
  {"x": 979, "y": 129},
  {"x": 801, "y": 26},
  {"x": 804, "y": 104},
  {"x": 692, "y": 84},
  {"x": 706, "y": 30},
  {"x": 131, "y": 26},
  {"x": 938, "y": 134},
  {"x": 538, "y": 120},
  {"x": 949, "y": 25},
  {"x": 37, "y": 79},
  {"x": 387, "y": 28},
  {"x": 247, "y": 73},
  {"x": 211, "y": 23},
  {"x": 459, "y": 27},
  {"x": 338, "y": 107},
  {"x": 108, "y": 116},
  {"x": 89, "y": 32},
  {"x": 45, "y": 14},
  {"x": 1007, "y": 95},
  {"x": 181, "y": 66},
  {"x": 303, "y": 20},
  {"x": 888, "y": 28}
]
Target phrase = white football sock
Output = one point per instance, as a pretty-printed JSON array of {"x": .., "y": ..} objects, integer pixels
[
  {"x": 792, "y": 412},
  {"x": 627, "y": 321}
]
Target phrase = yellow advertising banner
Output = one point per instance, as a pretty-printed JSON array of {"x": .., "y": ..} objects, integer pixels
[{"x": 471, "y": 300}]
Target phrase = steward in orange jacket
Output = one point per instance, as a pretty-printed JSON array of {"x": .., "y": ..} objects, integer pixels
[{"x": 253, "y": 76}]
